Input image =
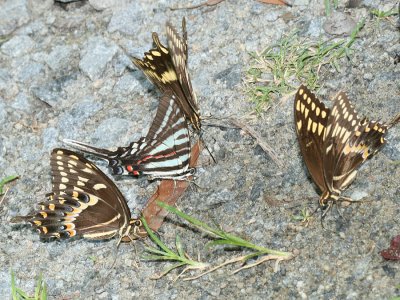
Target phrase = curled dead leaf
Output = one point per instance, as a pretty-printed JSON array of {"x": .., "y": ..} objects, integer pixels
[{"x": 168, "y": 191}]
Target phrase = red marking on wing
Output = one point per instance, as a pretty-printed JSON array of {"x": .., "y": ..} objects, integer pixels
[{"x": 169, "y": 191}]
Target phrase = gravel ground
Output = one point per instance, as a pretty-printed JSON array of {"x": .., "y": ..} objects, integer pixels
[{"x": 65, "y": 73}]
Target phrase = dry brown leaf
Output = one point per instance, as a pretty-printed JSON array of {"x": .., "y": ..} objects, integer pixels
[{"x": 168, "y": 191}]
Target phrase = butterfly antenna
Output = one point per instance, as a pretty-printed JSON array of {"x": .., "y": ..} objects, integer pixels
[
  {"x": 324, "y": 213},
  {"x": 206, "y": 147},
  {"x": 100, "y": 152},
  {"x": 339, "y": 213},
  {"x": 21, "y": 219}
]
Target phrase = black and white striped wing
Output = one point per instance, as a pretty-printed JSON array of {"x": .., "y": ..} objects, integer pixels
[
  {"x": 165, "y": 151},
  {"x": 84, "y": 201},
  {"x": 349, "y": 141},
  {"x": 311, "y": 119}
]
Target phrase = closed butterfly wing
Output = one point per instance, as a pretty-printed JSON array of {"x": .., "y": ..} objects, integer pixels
[
  {"x": 167, "y": 69},
  {"x": 311, "y": 118},
  {"x": 349, "y": 141},
  {"x": 335, "y": 143},
  {"x": 84, "y": 202},
  {"x": 179, "y": 54}
]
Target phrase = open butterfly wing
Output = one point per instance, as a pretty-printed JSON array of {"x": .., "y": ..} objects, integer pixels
[
  {"x": 84, "y": 201},
  {"x": 311, "y": 117},
  {"x": 349, "y": 141}
]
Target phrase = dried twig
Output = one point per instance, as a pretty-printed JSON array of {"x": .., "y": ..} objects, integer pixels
[
  {"x": 207, "y": 3},
  {"x": 276, "y": 2},
  {"x": 259, "y": 139}
]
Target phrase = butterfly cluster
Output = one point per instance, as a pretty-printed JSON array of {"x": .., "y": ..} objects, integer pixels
[{"x": 84, "y": 201}]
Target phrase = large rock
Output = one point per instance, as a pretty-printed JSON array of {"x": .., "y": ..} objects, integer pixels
[{"x": 97, "y": 54}]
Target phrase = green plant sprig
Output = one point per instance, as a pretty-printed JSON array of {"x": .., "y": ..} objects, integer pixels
[
  {"x": 19, "y": 294},
  {"x": 166, "y": 254},
  {"x": 292, "y": 60},
  {"x": 380, "y": 15},
  {"x": 224, "y": 238}
]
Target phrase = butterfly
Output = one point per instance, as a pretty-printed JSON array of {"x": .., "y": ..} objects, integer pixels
[
  {"x": 163, "y": 154},
  {"x": 335, "y": 143},
  {"x": 167, "y": 69},
  {"x": 83, "y": 202}
]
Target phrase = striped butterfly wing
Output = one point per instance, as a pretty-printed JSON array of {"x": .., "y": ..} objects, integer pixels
[
  {"x": 311, "y": 119},
  {"x": 84, "y": 202},
  {"x": 165, "y": 151},
  {"x": 167, "y": 69},
  {"x": 349, "y": 141}
]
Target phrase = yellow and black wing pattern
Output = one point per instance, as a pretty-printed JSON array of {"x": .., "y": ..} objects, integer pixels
[
  {"x": 334, "y": 143},
  {"x": 83, "y": 202},
  {"x": 166, "y": 67}
]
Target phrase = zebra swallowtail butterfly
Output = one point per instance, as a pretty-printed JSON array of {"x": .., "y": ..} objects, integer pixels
[
  {"x": 334, "y": 143},
  {"x": 84, "y": 202},
  {"x": 167, "y": 69},
  {"x": 163, "y": 153}
]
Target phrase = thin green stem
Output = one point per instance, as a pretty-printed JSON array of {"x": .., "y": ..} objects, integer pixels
[
  {"x": 225, "y": 238},
  {"x": 167, "y": 254}
]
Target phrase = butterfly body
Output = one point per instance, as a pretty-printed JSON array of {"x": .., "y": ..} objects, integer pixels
[
  {"x": 84, "y": 202},
  {"x": 163, "y": 153},
  {"x": 166, "y": 68},
  {"x": 334, "y": 142}
]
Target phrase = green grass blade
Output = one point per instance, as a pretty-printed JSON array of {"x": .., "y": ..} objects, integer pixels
[
  {"x": 179, "y": 246},
  {"x": 5, "y": 181},
  {"x": 159, "y": 257},
  {"x": 155, "y": 239},
  {"x": 38, "y": 287},
  {"x": 169, "y": 269},
  {"x": 327, "y": 7},
  {"x": 154, "y": 250},
  {"x": 252, "y": 255},
  {"x": 43, "y": 296},
  {"x": 190, "y": 219},
  {"x": 22, "y": 294},
  {"x": 13, "y": 287}
]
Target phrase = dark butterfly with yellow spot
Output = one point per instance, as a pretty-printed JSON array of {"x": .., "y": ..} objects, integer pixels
[
  {"x": 84, "y": 202},
  {"x": 167, "y": 69},
  {"x": 163, "y": 154},
  {"x": 334, "y": 143}
]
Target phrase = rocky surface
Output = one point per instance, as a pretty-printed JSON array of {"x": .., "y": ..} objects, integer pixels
[{"x": 65, "y": 72}]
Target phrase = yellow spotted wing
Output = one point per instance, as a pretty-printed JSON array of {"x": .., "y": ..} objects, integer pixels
[
  {"x": 166, "y": 67},
  {"x": 84, "y": 202},
  {"x": 349, "y": 141},
  {"x": 334, "y": 143},
  {"x": 311, "y": 118}
]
